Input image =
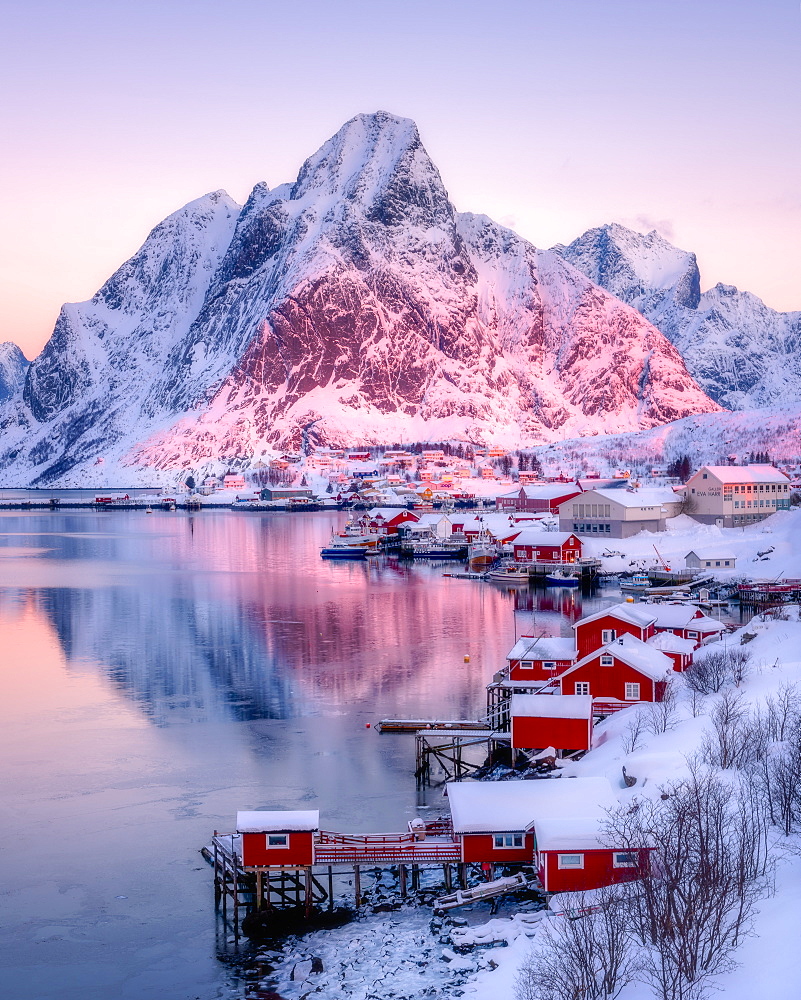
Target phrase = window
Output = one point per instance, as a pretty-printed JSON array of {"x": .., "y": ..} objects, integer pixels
[
  {"x": 278, "y": 840},
  {"x": 624, "y": 859},
  {"x": 703, "y": 476},
  {"x": 607, "y": 661},
  {"x": 582, "y": 687},
  {"x": 503, "y": 840},
  {"x": 549, "y": 665},
  {"x": 692, "y": 635},
  {"x": 632, "y": 692},
  {"x": 608, "y": 635},
  {"x": 526, "y": 665},
  {"x": 570, "y": 860}
]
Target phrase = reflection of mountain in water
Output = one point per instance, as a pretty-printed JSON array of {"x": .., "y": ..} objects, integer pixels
[{"x": 179, "y": 659}]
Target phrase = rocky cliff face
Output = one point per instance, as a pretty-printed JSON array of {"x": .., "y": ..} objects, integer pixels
[
  {"x": 740, "y": 351},
  {"x": 356, "y": 299},
  {"x": 13, "y": 366}
]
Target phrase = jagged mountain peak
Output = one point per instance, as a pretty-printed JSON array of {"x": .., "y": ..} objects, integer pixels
[{"x": 13, "y": 365}]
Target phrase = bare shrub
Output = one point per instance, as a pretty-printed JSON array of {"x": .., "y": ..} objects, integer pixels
[
  {"x": 697, "y": 703},
  {"x": 696, "y": 898},
  {"x": 707, "y": 674},
  {"x": 776, "y": 771},
  {"x": 632, "y": 736},
  {"x": 660, "y": 716},
  {"x": 783, "y": 711},
  {"x": 736, "y": 736},
  {"x": 589, "y": 956},
  {"x": 739, "y": 664}
]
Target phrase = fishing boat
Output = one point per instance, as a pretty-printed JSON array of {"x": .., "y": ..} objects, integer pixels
[
  {"x": 510, "y": 574},
  {"x": 439, "y": 550},
  {"x": 638, "y": 582},
  {"x": 561, "y": 579},
  {"x": 347, "y": 545},
  {"x": 481, "y": 552}
]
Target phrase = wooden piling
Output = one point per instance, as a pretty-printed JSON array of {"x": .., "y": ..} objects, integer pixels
[
  {"x": 357, "y": 883},
  {"x": 330, "y": 887},
  {"x": 402, "y": 879}
]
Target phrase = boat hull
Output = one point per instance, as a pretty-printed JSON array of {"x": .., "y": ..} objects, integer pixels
[{"x": 562, "y": 581}]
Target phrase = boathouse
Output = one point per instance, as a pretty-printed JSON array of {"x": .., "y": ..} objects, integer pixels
[
  {"x": 710, "y": 559},
  {"x": 624, "y": 670},
  {"x": 678, "y": 649},
  {"x": 540, "y": 658},
  {"x": 530, "y": 545},
  {"x": 387, "y": 520},
  {"x": 546, "y": 720},
  {"x": 544, "y": 497},
  {"x": 605, "y": 626},
  {"x": 557, "y": 824},
  {"x": 278, "y": 837}
]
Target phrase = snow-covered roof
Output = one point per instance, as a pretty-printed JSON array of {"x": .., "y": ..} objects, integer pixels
[
  {"x": 548, "y": 706},
  {"x": 634, "y": 613},
  {"x": 653, "y": 496},
  {"x": 580, "y": 804},
  {"x": 283, "y": 820},
  {"x": 711, "y": 554},
  {"x": 530, "y": 647},
  {"x": 543, "y": 491},
  {"x": 388, "y": 512},
  {"x": 668, "y": 642},
  {"x": 640, "y": 656},
  {"x": 673, "y": 615},
  {"x": 743, "y": 474},
  {"x": 533, "y": 536}
]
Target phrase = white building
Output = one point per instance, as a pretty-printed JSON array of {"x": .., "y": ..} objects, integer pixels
[
  {"x": 736, "y": 495},
  {"x": 619, "y": 513}
]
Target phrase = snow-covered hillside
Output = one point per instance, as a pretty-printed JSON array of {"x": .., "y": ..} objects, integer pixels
[
  {"x": 355, "y": 299},
  {"x": 743, "y": 353},
  {"x": 13, "y": 365}
]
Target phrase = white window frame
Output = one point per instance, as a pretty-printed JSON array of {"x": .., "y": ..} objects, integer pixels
[
  {"x": 526, "y": 664},
  {"x": 549, "y": 665},
  {"x": 692, "y": 635},
  {"x": 630, "y": 685},
  {"x": 276, "y": 847},
  {"x": 617, "y": 863},
  {"x": 562, "y": 863},
  {"x": 503, "y": 837},
  {"x": 608, "y": 635},
  {"x": 582, "y": 687},
  {"x": 607, "y": 661}
]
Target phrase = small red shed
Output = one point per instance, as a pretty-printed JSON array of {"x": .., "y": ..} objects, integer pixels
[
  {"x": 278, "y": 837},
  {"x": 678, "y": 649},
  {"x": 624, "y": 670},
  {"x": 530, "y": 545},
  {"x": 556, "y": 824},
  {"x": 540, "y": 658},
  {"x": 687, "y": 621},
  {"x": 546, "y": 720},
  {"x": 605, "y": 626}
]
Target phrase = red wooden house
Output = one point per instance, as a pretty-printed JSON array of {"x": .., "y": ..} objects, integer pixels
[
  {"x": 605, "y": 626},
  {"x": 538, "y": 497},
  {"x": 387, "y": 520},
  {"x": 678, "y": 649},
  {"x": 556, "y": 824},
  {"x": 687, "y": 621},
  {"x": 278, "y": 837},
  {"x": 546, "y": 546},
  {"x": 624, "y": 670},
  {"x": 546, "y": 720},
  {"x": 540, "y": 658}
]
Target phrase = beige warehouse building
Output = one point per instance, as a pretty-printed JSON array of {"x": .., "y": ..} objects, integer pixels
[{"x": 619, "y": 513}]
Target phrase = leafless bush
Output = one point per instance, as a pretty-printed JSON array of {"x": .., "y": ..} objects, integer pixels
[
  {"x": 736, "y": 737},
  {"x": 591, "y": 956},
  {"x": 776, "y": 769},
  {"x": 783, "y": 711},
  {"x": 709, "y": 868},
  {"x": 697, "y": 703},
  {"x": 634, "y": 732},
  {"x": 715, "y": 668},
  {"x": 660, "y": 716}
]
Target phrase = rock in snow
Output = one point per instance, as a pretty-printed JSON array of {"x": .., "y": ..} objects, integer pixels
[
  {"x": 741, "y": 352},
  {"x": 357, "y": 298}
]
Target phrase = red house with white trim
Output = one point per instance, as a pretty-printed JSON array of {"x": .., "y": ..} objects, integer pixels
[
  {"x": 678, "y": 649},
  {"x": 624, "y": 670},
  {"x": 556, "y": 824},
  {"x": 278, "y": 837},
  {"x": 686, "y": 621},
  {"x": 538, "y": 497},
  {"x": 545, "y": 720},
  {"x": 387, "y": 520},
  {"x": 605, "y": 626},
  {"x": 546, "y": 546},
  {"x": 540, "y": 658}
]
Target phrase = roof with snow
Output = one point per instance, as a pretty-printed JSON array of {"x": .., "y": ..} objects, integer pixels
[
  {"x": 668, "y": 642},
  {"x": 577, "y": 805},
  {"x": 387, "y": 513},
  {"x": 534, "y": 536},
  {"x": 550, "y": 706},
  {"x": 530, "y": 647},
  {"x": 673, "y": 615},
  {"x": 543, "y": 491},
  {"x": 282, "y": 820},
  {"x": 743, "y": 474},
  {"x": 636, "y": 614},
  {"x": 655, "y": 496},
  {"x": 711, "y": 554},
  {"x": 636, "y": 654}
]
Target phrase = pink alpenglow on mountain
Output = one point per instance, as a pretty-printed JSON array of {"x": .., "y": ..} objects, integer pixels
[{"x": 357, "y": 298}]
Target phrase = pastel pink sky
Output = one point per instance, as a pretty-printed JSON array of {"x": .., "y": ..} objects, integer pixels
[{"x": 551, "y": 116}]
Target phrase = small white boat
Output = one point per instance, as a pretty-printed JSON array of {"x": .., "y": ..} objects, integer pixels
[
  {"x": 639, "y": 581},
  {"x": 350, "y": 546},
  {"x": 148, "y": 510},
  {"x": 510, "y": 574}
]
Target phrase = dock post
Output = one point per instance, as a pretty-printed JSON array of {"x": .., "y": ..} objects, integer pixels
[
  {"x": 446, "y": 868},
  {"x": 236, "y": 899},
  {"x": 224, "y": 886},
  {"x": 463, "y": 875},
  {"x": 402, "y": 878},
  {"x": 308, "y": 888},
  {"x": 259, "y": 890},
  {"x": 357, "y": 884},
  {"x": 415, "y": 878},
  {"x": 330, "y": 887},
  {"x": 216, "y": 873}
]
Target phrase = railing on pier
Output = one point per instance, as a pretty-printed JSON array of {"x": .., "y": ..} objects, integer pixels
[{"x": 401, "y": 848}]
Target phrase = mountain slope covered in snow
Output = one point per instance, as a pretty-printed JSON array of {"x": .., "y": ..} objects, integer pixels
[
  {"x": 356, "y": 300},
  {"x": 741, "y": 352},
  {"x": 13, "y": 365}
]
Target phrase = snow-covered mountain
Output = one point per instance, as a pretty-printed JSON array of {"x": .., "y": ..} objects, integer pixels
[
  {"x": 356, "y": 299},
  {"x": 13, "y": 365},
  {"x": 741, "y": 352}
]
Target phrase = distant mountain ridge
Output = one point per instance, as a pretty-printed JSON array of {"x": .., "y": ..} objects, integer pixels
[
  {"x": 355, "y": 300},
  {"x": 13, "y": 366},
  {"x": 741, "y": 352}
]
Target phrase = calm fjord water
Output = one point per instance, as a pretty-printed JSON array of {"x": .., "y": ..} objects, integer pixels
[{"x": 160, "y": 672}]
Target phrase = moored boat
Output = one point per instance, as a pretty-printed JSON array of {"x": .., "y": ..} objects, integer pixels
[
  {"x": 639, "y": 581},
  {"x": 510, "y": 574},
  {"x": 348, "y": 545},
  {"x": 561, "y": 579}
]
